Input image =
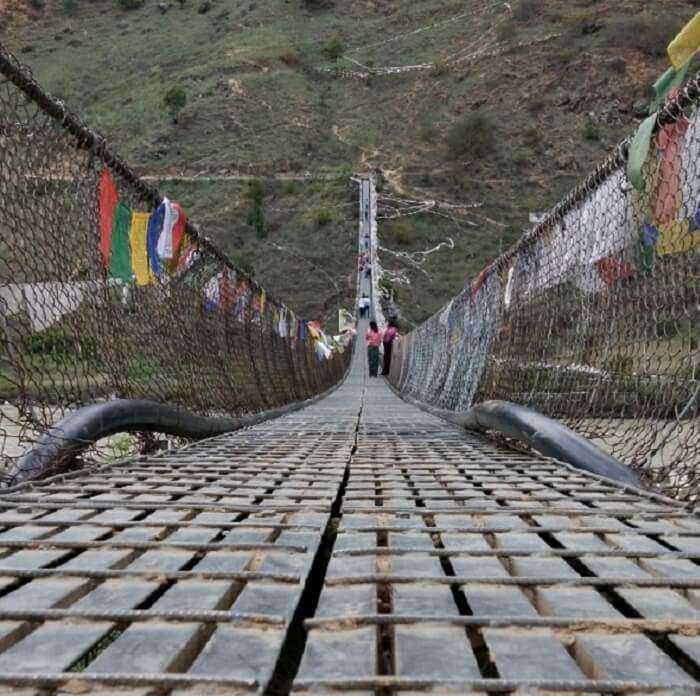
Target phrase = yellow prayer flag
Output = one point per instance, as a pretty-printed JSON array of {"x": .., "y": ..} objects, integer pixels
[
  {"x": 676, "y": 238},
  {"x": 139, "y": 252},
  {"x": 686, "y": 44}
]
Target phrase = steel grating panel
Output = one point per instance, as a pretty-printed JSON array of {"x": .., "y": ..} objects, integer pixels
[
  {"x": 461, "y": 566},
  {"x": 415, "y": 555},
  {"x": 180, "y": 569}
]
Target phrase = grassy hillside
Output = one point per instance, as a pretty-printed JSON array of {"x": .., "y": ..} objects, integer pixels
[{"x": 516, "y": 107}]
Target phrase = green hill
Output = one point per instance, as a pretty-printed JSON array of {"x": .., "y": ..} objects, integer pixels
[{"x": 513, "y": 110}]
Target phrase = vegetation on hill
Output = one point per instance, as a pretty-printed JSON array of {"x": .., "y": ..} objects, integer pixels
[{"x": 512, "y": 109}]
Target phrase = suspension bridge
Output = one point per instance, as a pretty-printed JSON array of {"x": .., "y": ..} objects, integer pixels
[{"x": 327, "y": 531}]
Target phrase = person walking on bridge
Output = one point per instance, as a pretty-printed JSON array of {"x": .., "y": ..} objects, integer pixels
[
  {"x": 364, "y": 306},
  {"x": 388, "y": 340},
  {"x": 374, "y": 340}
]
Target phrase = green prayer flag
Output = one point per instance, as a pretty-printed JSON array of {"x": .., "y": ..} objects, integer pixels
[
  {"x": 119, "y": 251},
  {"x": 669, "y": 80},
  {"x": 639, "y": 149}
]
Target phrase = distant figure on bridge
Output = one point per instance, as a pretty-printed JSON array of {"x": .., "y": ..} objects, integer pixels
[
  {"x": 374, "y": 340},
  {"x": 363, "y": 306},
  {"x": 368, "y": 270},
  {"x": 388, "y": 340}
]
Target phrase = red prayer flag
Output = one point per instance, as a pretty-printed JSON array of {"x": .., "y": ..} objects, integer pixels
[
  {"x": 178, "y": 235},
  {"x": 479, "y": 281},
  {"x": 613, "y": 268},
  {"x": 108, "y": 198}
]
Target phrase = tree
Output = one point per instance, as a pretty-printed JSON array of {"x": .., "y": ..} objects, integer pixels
[
  {"x": 333, "y": 49},
  {"x": 255, "y": 191},
  {"x": 256, "y": 216},
  {"x": 175, "y": 99}
]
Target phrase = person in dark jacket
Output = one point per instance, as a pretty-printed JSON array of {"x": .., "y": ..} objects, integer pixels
[
  {"x": 374, "y": 340},
  {"x": 388, "y": 341}
]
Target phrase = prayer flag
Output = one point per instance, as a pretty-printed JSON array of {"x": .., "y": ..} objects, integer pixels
[
  {"x": 119, "y": 254},
  {"x": 155, "y": 226},
  {"x": 613, "y": 268},
  {"x": 676, "y": 238},
  {"x": 686, "y": 44},
  {"x": 108, "y": 198},
  {"x": 212, "y": 293},
  {"x": 139, "y": 252},
  {"x": 173, "y": 231}
]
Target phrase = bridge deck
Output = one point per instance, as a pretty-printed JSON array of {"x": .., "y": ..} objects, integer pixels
[{"x": 415, "y": 554}]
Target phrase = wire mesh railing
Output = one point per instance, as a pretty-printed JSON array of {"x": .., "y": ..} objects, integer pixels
[
  {"x": 107, "y": 290},
  {"x": 593, "y": 317}
]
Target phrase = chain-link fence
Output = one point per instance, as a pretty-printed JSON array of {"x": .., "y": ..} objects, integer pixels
[
  {"x": 593, "y": 317},
  {"x": 106, "y": 290}
]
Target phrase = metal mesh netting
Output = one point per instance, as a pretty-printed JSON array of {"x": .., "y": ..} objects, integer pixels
[
  {"x": 202, "y": 335},
  {"x": 593, "y": 317}
]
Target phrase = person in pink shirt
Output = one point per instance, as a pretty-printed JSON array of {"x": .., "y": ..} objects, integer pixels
[
  {"x": 374, "y": 340},
  {"x": 388, "y": 340}
]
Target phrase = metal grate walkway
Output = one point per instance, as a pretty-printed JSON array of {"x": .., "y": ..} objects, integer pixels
[{"x": 415, "y": 556}]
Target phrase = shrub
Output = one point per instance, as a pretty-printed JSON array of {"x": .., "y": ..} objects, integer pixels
[
  {"x": 522, "y": 157},
  {"x": 532, "y": 137},
  {"x": 291, "y": 58},
  {"x": 429, "y": 133},
  {"x": 323, "y": 217},
  {"x": 527, "y": 9},
  {"x": 647, "y": 33},
  {"x": 440, "y": 68},
  {"x": 592, "y": 131},
  {"x": 563, "y": 56},
  {"x": 244, "y": 261},
  {"x": 130, "y": 4},
  {"x": 472, "y": 137},
  {"x": 175, "y": 99},
  {"x": 70, "y": 6},
  {"x": 37, "y": 4},
  {"x": 121, "y": 446},
  {"x": 55, "y": 341}
]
